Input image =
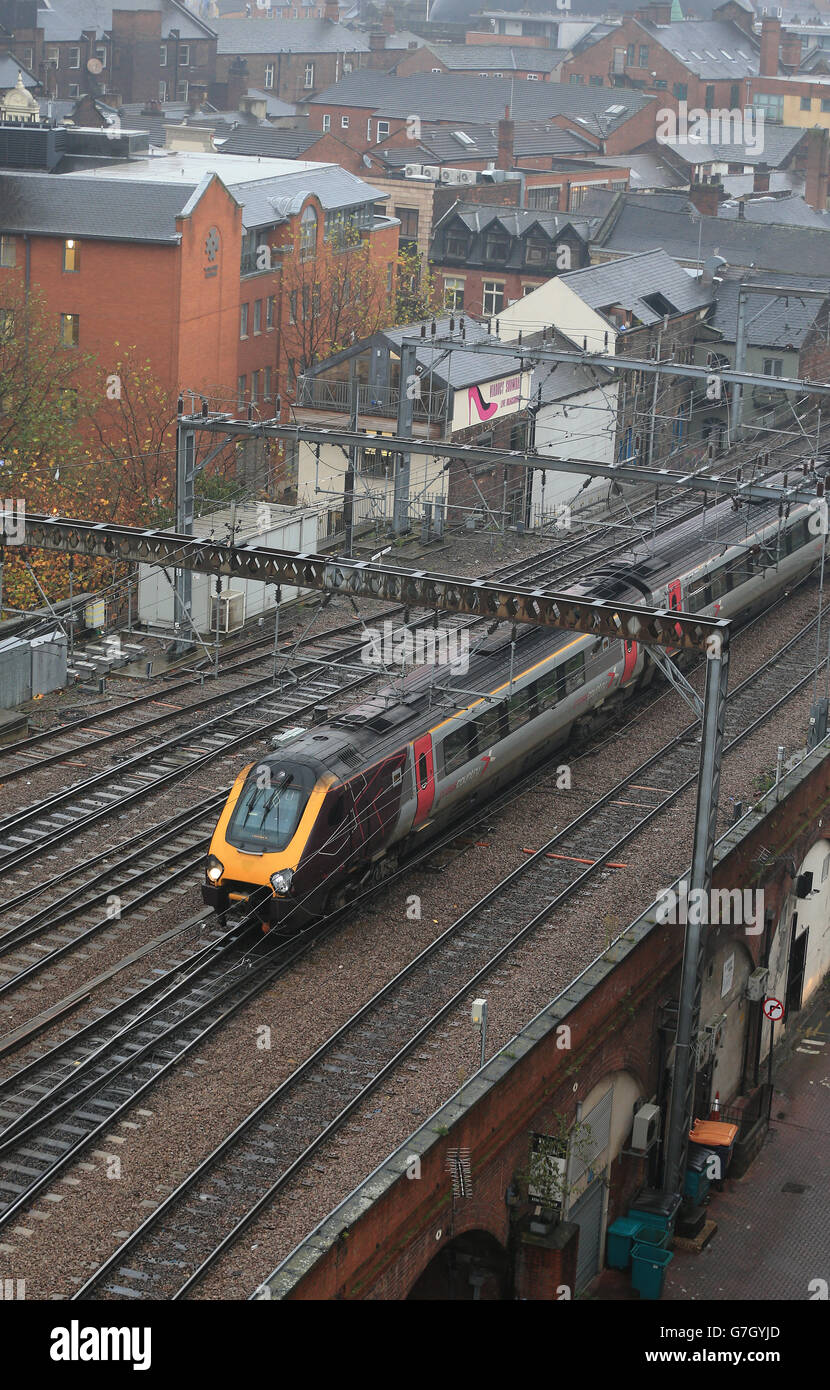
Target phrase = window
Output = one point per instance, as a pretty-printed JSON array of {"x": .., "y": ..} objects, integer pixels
[
  {"x": 243, "y": 321},
  {"x": 773, "y": 366},
  {"x": 28, "y": 57},
  {"x": 537, "y": 251},
  {"x": 734, "y": 96},
  {"x": 254, "y": 388},
  {"x": 53, "y": 56},
  {"x": 496, "y": 246},
  {"x": 545, "y": 198},
  {"x": 576, "y": 79},
  {"x": 595, "y": 82},
  {"x": 267, "y": 390},
  {"x": 492, "y": 300},
  {"x": 308, "y": 79},
  {"x": 241, "y": 383},
  {"x": 308, "y": 233},
  {"x": 629, "y": 55},
  {"x": 182, "y": 91},
  {"x": 383, "y": 131},
  {"x": 369, "y": 131},
  {"x": 162, "y": 91},
  {"x": 292, "y": 307},
  {"x": 643, "y": 63},
  {"x": 531, "y": 76},
  {"x": 571, "y": 675},
  {"x": 344, "y": 123},
  {"x": 709, "y": 98},
  {"x": 184, "y": 56},
  {"x": 68, "y": 402},
  {"x": 8, "y": 251},
  {"x": 825, "y": 104},
  {"x": 660, "y": 84},
  {"x": 390, "y": 277},
  {"x": 522, "y": 708},
  {"x": 6, "y": 325},
  {"x": 71, "y": 255},
  {"x": 101, "y": 55},
  {"x": 74, "y": 89},
  {"x": 326, "y": 122},
  {"x": 578, "y": 191},
  {"x": 806, "y": 103},
  {"x": 74, "y": 57},
  {"x": 306, "y": 299},
  {"x": 270, "y": 306},
  {"x": 453, "y": 292},
  {"x": 70, "y": 330},
  {"x": 258, "y": 316},
  {"x": 773, "y": 106},
  {"x": 458, "y": 243},
  {"x": 269, "y": 76},
  {"x": 680, "y": 91},
  {"x": 488, "y": 728},
  {"x": 409, "y": 222},
  {"x": 456, "y": 748},
  {"x": 163, "y": 56}
]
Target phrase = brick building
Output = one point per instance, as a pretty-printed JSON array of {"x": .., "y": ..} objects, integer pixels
[
  {"x": 487, "y": 257},
  {"x": 160, "y": 50},
  {"x": 524, "y": 63},
  {"x": 291, "y": 59},
  {"x": 197, "y": 254}
]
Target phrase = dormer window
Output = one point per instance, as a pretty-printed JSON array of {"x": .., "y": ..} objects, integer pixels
[
  {"x": 496, "y": 245},
  {"x": 458, "y": 242},
  {"x": 537, "y": 251}
]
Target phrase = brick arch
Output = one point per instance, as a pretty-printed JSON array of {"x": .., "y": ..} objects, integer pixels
[{"x": 472, "y": 1266}]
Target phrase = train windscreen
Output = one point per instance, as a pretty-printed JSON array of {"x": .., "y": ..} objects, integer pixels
[{"x": 265, "y": 817}]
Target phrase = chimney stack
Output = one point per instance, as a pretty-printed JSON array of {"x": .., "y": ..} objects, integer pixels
[
  {"x": 504, "y": 159},
  {"x": 706, "y": 197},
  {"x": 817, "y": 173},
  {"x": 790, "y": 50},
  {"x": 742, "y": 211},
  {"x": 388, "y": 20},
  {"x": 237, "y": 82},
  {"x": 377, "y": 40},
  {"x": 770, "y": 43},
  {"x": 760, "y": 179},
  {"x": 332, "y": 12}
]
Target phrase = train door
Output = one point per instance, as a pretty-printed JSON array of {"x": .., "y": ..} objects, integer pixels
[
  {"x": 630, "y": 661},
  {"x": 675, "y": 600},
  {"x": 424, "y": 777}
]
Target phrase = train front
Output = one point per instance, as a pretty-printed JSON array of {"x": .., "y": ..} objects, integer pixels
[{"x": 259, "y": 856}]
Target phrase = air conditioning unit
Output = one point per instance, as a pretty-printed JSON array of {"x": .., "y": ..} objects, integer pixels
[
  {"x": 431, "y": 171},
  {"x": 456, "y": 175},
  {"x": 231, "y": 611},
  {"x": 756, "y": 985},
  {"x": 467, "y": 176},
  {"x": 646, "y": 1127},
  {"x": 413, "y": 171}
]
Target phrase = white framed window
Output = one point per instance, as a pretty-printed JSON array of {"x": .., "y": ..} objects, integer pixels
[
  {"x": 308, "y": 79},
  {"x": 28, "y": 57},
  {"x": 773, "y": 366},
  {"x": 344, "y": 123},
  {"x": 74, "y": 57},
  {"x": 241, "y": 383},
  {"x": 8, "y": 251},
  {"x": 162, "y": 91},
  {"x": 270, "y": 308},
  {"x": 454, "y": 292},
  {"x": 71, "y": 256},
  {"x": 163, "y": 56},
  {"x": 369, "y": 129},
  {"x": 70, "y": 330},
  {"x": 243, "y": 321},
  {"x": 101, "y": 55},
  {"x": 183, "y": 89},
  {"x": 269, "y": 76},
  {"x": 383, "y": 130},
  {"x": 74, "y": 90},
  {"x": 53, "y": 56},
  {"x": 184, "y": 56},
  {"x": 254, "y": 388},
  {"x": 257, "y": 316},
  {"x": 326, "y": 122},
  {"x": 492, "y": 299}
]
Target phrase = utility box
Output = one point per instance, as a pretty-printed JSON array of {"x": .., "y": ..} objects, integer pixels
[
  {"x": 646, "y": 1127},
  {"x": 756, "y": 985}
]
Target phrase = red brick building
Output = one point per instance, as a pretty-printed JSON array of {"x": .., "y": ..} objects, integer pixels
[{"x": 290, "y": 59}]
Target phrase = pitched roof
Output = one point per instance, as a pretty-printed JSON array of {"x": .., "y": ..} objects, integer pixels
[
  {"x": 788, "y": 212},
  {"x": 286, "y": 36},
  {"x": 64, "y": 20},
  {"x": 516, "y": 221},
  {"x": 98, "y": 209},
  {"x": 450, "y": 97},
  {"x": 774, "y": 149},
  {"x": 772, "y": 321},
  {"x": 630, "y": 282},
  {"x": 9, "y": 68},
  {"x": 644, "y": 220},
  {"x": 458, "y": 368},
  {"x": 709, "y": 48},
  {"x": 490, "y": 57},
  {"x": 269, "y": 141}
]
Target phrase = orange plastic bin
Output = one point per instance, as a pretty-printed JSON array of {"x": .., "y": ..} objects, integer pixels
[{"x": 716, "y": 1135}]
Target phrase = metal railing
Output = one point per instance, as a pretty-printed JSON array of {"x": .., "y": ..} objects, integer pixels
[{"x": 324, "y": 394}]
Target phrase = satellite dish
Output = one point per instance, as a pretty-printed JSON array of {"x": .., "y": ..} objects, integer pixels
[{"x": 367, "y": 161}]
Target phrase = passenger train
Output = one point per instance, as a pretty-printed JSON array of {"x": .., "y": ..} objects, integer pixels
[{"x": 341, "y": 804}]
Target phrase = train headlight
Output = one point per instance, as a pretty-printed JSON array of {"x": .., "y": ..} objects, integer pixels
[
  {"x": 214, "y": 868},
  {"x": 281, "y": 881}
]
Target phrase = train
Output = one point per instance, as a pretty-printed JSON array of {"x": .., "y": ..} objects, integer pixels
[{"x": 338, "y": 806}]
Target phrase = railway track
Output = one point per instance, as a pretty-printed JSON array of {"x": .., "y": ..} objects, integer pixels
[{"x": 172, "y": 1250}]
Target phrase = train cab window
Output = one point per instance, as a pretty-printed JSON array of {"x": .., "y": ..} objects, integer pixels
[
  {"x": 457, "y": 748},
  {"x": 571, "y": 674},
  {"x": 522, "y": 708},
  {"x": 336, "y": 810},
  {"x": 488, "y": 728},
  {"x": 423, "y": 770}
]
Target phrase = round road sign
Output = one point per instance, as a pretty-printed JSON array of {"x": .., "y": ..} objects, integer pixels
[{"x": 774, "y": 1010}]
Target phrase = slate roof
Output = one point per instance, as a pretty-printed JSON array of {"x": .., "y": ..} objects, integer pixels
[
  {"x": 629, "y": 280},
  {"x": 97, "y": 209},
  {"x": 646, "y": 220},
  {"x": 648, "y": 170},
  {"x": 788, "y": 212},
  {"x": 460, "y": 368},
  {"x": 490, "y": 57},
  {"x": 269, "y": 141},
  {"x": 709, "y": 48},
  {"x": 777, "y": 145},
  {"x": 779, "y": 323},
  {"x": 65, "y": 19},
  {"x": 451, "y": 97},
  {"x": 286, "y": 36},
  {"x": 516, "y": 221},
  {"x": 9, "y": 68}
]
